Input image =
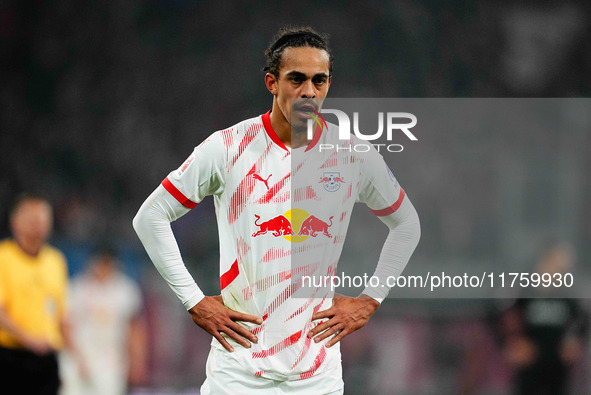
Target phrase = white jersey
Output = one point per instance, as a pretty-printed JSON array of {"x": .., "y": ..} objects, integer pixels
[
  {"x": 101, "y": 312},
  {"x": 282, "y": 214}
]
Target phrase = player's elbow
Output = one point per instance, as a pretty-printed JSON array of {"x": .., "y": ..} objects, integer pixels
[
  {"x": 417, "y": 231},
  {"x": 410, "y": 227},
  {"x": 149, "y": 220},
  {"x": 415, "y": 225},
  {"x": 139, "y": 222}
]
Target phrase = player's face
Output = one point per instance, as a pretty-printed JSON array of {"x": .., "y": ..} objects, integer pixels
[
  {"x": 32, "y": 222},
  {"x": 303, "y": 82},
  {"x": 103, "y": 267}
]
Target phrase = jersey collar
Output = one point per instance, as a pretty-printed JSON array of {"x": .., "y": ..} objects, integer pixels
[{"x": 267, "y": 124}]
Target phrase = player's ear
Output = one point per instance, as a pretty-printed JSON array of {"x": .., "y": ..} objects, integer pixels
[{"x": 271, "y": 83}]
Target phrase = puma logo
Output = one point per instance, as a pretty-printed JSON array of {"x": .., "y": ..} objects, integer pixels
[{"x": 264, "y": 180}]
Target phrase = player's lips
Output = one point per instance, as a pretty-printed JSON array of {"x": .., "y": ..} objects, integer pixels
[
  {"x": 308, "y": 108},
  {"x": 307, "y": 111}
]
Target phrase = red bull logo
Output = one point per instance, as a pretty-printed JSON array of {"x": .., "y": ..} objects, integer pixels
[
  {"x": 331, "y": 181},
  {"x": 279, "y": 226},
  {"x": 296, "y": 225},
  {"x": 312, "y": 226}
]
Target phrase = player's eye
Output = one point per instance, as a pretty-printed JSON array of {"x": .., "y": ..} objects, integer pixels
[
  {"x": 319, "y": 80},
  {"x": 296, "y": 79}
]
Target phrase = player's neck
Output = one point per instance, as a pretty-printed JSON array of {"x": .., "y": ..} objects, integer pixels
[
  {"x": 280, "y": 125},
  {"x": 282, "y": 129}
]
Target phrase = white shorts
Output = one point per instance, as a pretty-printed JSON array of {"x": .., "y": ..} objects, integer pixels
[{"x": 226, "y": 376}]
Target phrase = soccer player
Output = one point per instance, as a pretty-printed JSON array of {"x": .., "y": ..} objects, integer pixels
[
  {"x": 274, "y": 230},
  {"x": 107, "y": 328}
]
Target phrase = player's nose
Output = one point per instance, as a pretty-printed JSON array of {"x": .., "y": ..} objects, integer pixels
[{"x": 308, "y": 91}]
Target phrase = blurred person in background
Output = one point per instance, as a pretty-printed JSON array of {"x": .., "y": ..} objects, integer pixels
[
  {"x": 543, "y": 337},
  {"x": 267, "y": 341},
  {"x": 33, "y": 286},
  {"x": 108, "y": 329}
]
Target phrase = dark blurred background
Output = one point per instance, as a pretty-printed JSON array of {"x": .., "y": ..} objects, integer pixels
[{"x": 100, "y": 100}]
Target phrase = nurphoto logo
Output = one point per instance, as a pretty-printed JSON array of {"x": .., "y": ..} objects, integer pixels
[{"x": 396, "y": 122}]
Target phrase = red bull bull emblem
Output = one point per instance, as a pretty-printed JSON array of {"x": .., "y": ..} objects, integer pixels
[
  {"x": 296, "y": 225},
  {"x": 331, "y": 181},
  {"x": 312, "y": 226},
  {"x": 279, "y": 226}
]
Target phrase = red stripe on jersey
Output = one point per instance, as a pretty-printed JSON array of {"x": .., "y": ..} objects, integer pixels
[
  {"x": 275, "y": 253},
  {"x": 304, "y": 193},
  {"x": 298, "y": 167},
  {"x": 278, "y": 253},
  {"x": 317, "y": 362},
  {"x": 331, "y": 161},
  {"x": 274, "y": 189},
  {"x": 227, "y": 138},
  {"x": 247, "y": 293},
  {"x": 271, "y": 281},
  {"x": 229, "y": 276},
  {"x": 282, "y": 297},
  {"x": 352, "y": 158},
  {"x": 271, "y": 132},
  {"x": 247, "y": 139},
  {"x": 343, "y": 215},
  {"x": 392, "y": 209},
  {"x": 282, "y": 345},
  {"x": 303, "y": 352},
  {"x": 339, "y": 239},
  {"x": 349, "y": 193},
  {"x": 242, "y": 247},
  {"x": 258, "y": 329},
  {"x": 178, "y": 195},
  {"x": 300, "y": 310},
  {"x": 242, "y": 194},
  {"x": 308, "y": 341},
  {"x": 287, "y": 292},
  {"x": 300, "y": 271}
]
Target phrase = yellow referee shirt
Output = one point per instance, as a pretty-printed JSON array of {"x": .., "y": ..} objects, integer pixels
[{"x": 33, "y": 292}]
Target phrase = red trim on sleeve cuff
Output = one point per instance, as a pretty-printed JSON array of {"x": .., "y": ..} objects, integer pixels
[
  {"x": 178, "y": 195},
  {"x": 230, "y": 275},
  {"x": 392, "y": 209}
]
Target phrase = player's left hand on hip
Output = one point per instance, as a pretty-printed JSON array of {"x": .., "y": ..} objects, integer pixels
[{"x": 345, "y": 316}]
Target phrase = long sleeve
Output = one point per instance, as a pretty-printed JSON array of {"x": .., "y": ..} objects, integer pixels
[
  {"x": 152, "y": 225},
  {"x": 404, "y": 235}
]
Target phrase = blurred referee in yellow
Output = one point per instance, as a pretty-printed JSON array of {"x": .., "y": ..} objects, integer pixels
[{"x": 33, "y": 282}]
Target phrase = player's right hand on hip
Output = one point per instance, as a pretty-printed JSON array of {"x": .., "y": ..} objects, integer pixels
[{"x": 215, "y": 318}]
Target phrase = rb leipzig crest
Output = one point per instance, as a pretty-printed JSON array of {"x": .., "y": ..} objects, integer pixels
[{"x": 331, "y": 181}]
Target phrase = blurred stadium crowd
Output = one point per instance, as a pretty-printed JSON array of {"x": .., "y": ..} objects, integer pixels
[{"x": 99, "y": 100}]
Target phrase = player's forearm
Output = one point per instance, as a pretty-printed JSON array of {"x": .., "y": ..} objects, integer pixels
[
  {"x": 152, "y": 225},
  {"x": 404, "y": 235}
]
